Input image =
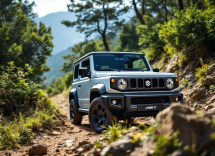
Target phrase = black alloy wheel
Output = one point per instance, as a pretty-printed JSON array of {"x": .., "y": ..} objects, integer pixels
[
  {"x": 99, "y": 117},
  {"x": 75, "y": 115}
]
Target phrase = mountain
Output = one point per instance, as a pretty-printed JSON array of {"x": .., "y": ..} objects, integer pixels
[
  {"x": 64, "y": 37},
  {"x": 55, "y": 63}
]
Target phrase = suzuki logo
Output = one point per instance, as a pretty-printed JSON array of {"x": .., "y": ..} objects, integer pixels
[
  {"x": 148, "y": 83},
  {"x": 151, "y": 107}
]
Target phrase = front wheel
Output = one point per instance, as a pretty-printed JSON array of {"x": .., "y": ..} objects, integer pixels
[
  {"x": 75, "y": 115},
  {"x": 99, "y": 117}
]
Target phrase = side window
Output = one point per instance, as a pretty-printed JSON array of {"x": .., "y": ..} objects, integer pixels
[
  {"x": 86, "y": 64},
  {"x": 76, "y": 72}
]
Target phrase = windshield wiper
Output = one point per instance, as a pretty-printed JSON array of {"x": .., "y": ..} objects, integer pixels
[
  {"x": 133, "y": 69},
  {"x": 108, "y": 69}
]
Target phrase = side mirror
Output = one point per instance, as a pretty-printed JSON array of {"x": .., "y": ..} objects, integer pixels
[
  {"x": 83, "y": 71},
  {"x": 155, "y": 70}
]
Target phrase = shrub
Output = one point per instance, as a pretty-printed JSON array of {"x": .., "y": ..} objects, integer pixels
[
  {"x": 16, "y": 92},
  {"x": 189, "y": 84},
  {"x": 184, "y": 82},
  {"x": 192, "y": 31},
  {"x": 201, "y": 72}
]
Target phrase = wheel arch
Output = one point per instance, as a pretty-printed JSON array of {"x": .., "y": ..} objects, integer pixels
[
  {"x": 96, "y": 91},
  {"x": 73, "y": 94}
]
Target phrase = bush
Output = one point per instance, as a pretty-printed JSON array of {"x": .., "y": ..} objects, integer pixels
[
  {"x": 184, "y": 82},
  {"x": 201, "y": 72},
  {"x": 192, "y": 31},
  {"x": 16, "y": 92}
]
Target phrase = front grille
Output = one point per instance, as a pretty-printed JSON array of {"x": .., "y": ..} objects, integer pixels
[
  {"x": 149, "y": 100},
  {"x": 133, "y": 83},
  {"x": 161, "y": 82},
  {"x": 154, "y": 83},
  {"x": 140, "y": 83}
]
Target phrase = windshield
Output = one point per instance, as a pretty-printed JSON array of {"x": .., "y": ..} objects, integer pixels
[{"x": 119, "y": 62}]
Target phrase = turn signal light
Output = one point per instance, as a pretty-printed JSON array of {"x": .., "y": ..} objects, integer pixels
[
  {"x": 112, "y": 80},
  {"x": 176, "y": 79}
]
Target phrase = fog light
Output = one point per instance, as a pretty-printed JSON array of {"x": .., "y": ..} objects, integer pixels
[
  {"x": 176, "y": 99},
  {"x": 114, "y": 102}
]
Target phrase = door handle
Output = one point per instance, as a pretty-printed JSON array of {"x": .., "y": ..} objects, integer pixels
[{"x": 79, "y": 85}]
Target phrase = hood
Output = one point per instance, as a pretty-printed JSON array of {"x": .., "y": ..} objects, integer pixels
[{"x": 132, "y": 73}]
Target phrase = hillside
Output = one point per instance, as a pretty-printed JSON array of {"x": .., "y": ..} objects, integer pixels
[
  {"x": 55, "y": 63},
  {"x": 63, "y": 37}
]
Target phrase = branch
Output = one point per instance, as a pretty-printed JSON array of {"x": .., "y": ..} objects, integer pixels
[
  {"x": 139, "y": 16},
  {"x": 167, "y": 10}
]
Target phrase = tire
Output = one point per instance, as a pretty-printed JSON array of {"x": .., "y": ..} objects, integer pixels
[
  {"x": 75, "y": 115},
  {"x": 130, "y": 120},
  {"x": 99, "y": 117}
]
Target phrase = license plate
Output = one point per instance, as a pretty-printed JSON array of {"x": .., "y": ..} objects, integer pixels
[{"x": 150, "y": 107}]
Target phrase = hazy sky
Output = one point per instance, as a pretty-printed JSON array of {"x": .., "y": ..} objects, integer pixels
[{"x": 45, "y": 7}]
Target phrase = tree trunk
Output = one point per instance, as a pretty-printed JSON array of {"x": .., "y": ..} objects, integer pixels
[
  {"x": 105, "y": 42},
  {"x": 180, "y": 5},
  {"x": 139, "y": 16}
]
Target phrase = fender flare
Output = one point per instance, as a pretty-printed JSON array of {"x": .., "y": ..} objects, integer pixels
[
  {"x": 73, "y": 94},
  {"x": 99, "y": 88}
]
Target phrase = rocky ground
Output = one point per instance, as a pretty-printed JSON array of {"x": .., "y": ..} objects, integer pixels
[{"x": 64, "y": 138}]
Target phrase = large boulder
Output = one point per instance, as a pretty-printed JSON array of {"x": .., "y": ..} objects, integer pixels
[
  {"x": 208, "y": 80},
  {"x": 118, "y": 147},
  {"x": 37, "y": 150},
  {"x": 193, "y": 129}
]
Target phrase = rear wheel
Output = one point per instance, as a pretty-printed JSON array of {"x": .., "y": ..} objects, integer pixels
[
  {"x": 99, "y": 117},
  {"x": 75, "y": 115}
]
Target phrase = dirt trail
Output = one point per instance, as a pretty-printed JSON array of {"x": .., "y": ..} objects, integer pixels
[{"x": 57, "y": 144}]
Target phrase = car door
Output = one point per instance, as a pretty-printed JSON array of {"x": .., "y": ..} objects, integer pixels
[{"x": 84, "y": 86}]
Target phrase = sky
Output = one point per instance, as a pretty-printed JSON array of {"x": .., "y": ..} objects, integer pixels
[{"x": 45, "y": 7}]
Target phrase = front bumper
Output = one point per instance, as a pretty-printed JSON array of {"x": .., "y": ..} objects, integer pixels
[{"x": 140, "y": 105}]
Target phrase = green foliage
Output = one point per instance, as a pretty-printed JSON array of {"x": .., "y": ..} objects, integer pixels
[
  {"x": 167, "y": 144},
  {"x": 212, "y": 88},
  {"x": 150, "y": 42},
  {"x": 115, "y": 131},
  {"x": 191, "y": 31},
  {"x": 16, "y": 92},
  {"x": 128, "y": 39},
  {"x": 201, "y": 72},
  {"x": 22, "y": 41},
  {"x": 184, "y": 82},
  {"x": 97, "y": 16},
  {"x": 189, "y": 84},
  {"x": 97, "y": 144}
]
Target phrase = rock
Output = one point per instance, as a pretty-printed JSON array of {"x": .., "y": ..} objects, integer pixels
[
  {"x": 73, "y": 148},
  {"x": 69, "y": 151},
  {"x": 195, "y": 105},
  {"x": 57, "y": 128},
  {"x": 37, "y": 149},
  {"x": 197, "y": 93},
  {"x": 83, "y": 143},
  {"x": 191, "y": 126},
  {"x": 80, "y": 130},
  {"x": 210, "y": 70},
  {"x": 172, "y": 63},
  {"x": 118, "y": 147},
  {"x": 84, "y": 148},
  {"x": 89, "y": 133},
  {"x": 212, "y": 99},
  {"x": 69, "y": 143},
  {"x": 178, "y": 153},
  {"x": 208, "y": 80},
  {"x": 133, "y": 129},
  {"x": 54, "y": 133},
  {"x": 94, "y": 152},
  {"x": 57, "y": 150},
  {"x": 71, "y": 127}
]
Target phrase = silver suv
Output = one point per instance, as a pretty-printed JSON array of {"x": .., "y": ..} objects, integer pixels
[{"x": 120, "y": 85}]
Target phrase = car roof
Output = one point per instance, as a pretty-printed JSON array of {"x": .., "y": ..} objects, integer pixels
[{"x": 104, "y": 52}]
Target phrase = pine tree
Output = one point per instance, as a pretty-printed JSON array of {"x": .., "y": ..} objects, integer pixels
[
  {"x": 97, "y": 16},
  {"x": 21, "y": 40}
]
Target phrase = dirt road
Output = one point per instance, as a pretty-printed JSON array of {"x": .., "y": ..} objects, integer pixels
[{"x": 73, "y": 134}]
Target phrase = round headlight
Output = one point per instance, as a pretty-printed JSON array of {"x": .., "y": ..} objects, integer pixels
[
  {"x": 122, "y": 84},
  {"x": 170, "y": 83}
]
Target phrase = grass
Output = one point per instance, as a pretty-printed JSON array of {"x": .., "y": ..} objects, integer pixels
[
  {"x": 184, "y": 82},
  {"x": 201, "y": 72},
  {"x": 19, "y": 129}
]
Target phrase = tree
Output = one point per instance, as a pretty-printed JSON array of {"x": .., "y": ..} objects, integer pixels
[
  {"x": 97, "y": 16},
  {"x": 22, "y": 41},
  {"x": 128, "y": 38},
  {"x": 27, "y": 8}
]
